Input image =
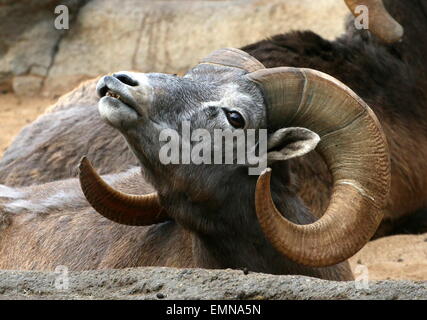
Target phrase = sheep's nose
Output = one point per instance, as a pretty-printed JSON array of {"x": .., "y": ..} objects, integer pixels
[{"x": 126, "y": 79}]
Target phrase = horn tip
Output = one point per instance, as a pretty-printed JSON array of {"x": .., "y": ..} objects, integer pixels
[
  {"x": 266, "y": 171},
  {"x": 84, "y": 162}
]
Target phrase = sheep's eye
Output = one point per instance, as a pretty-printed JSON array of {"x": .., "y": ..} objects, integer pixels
[{"x": 235, "y": 119}]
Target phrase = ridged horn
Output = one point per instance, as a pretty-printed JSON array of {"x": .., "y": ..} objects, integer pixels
[
  {"x": 234, "y": 58},
  {"x": 381, "y": 23},
  {"x": 355, "y": 150},
  {"x": 131, "y": 210}
]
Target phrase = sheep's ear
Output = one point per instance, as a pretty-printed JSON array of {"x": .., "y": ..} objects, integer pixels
[{"x": 288, "y": 143}]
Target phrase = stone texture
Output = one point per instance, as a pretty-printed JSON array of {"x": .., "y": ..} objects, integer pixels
[
  {"x": 28, "y": 85},
  {"x": 147, "y": 283},
  {"x": 396, "y": 257},
  {"x": 28, "y": 39},
  {"x": 144, "y": 35}
]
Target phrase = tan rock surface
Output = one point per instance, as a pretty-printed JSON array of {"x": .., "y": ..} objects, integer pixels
[
  {"x": 143, "y": 35},
  {"x": 402, "y": 257}
]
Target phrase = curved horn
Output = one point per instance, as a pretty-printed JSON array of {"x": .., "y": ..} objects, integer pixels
[
  {"x": 381, "y": 22},
  {"x": 355, "y": 150},
  {"x": 131, "y": 210},
  {"x": 234, "y": 58}
]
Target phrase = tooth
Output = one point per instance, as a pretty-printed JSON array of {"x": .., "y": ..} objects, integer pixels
[{"x": 112, "y": 94}]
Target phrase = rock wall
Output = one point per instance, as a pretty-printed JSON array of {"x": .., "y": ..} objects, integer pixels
[
  {"x": 143, "y": 35},
  {"x": 29, "y": 42}
]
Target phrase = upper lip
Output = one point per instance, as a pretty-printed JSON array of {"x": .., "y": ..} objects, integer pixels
[{"x": 112, "y": 87}]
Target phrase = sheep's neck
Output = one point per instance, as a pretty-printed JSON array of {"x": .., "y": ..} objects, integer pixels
[{"x": 241, "y": 243}]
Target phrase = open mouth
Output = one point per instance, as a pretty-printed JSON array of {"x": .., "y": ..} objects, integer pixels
[
  {"x": 117, "y": 92},
  {"x": 113, "y": 95},
  {"x": 124, "y": 99}
]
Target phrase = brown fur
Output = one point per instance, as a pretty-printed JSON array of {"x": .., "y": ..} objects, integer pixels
[
  {"x": 74, "y": 235},
  {"x": 68, "y": 232}
]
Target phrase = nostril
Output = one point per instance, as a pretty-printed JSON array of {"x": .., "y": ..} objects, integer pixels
[{"x": 126, "y": 79}]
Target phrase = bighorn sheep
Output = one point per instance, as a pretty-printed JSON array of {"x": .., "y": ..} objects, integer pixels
[{"x": 207, "y": 201}]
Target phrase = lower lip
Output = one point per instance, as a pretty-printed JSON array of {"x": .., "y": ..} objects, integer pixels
[{"x": 123, "y": 103}]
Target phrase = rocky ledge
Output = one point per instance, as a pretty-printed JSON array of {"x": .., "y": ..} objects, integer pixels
[{"x": 165, "y": 283}]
